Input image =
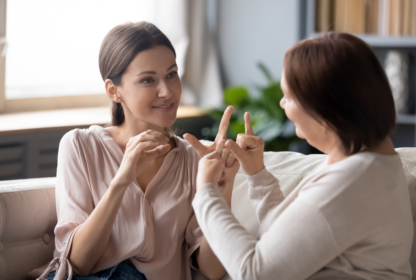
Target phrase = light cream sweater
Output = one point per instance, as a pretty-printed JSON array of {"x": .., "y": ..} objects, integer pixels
[{"x": 349, "y": 220}]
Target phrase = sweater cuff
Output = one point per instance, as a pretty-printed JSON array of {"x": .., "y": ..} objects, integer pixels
[{"x": 261, "y": 179}]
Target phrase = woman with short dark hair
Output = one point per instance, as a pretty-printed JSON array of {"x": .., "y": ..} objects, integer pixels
[{"x": 352, "y": 218}]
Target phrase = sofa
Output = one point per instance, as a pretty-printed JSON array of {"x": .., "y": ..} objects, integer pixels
[{"x": 28, "y": 214}]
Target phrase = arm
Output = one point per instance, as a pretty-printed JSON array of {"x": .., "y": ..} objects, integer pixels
[
  {"x": 298, "y": 244},
  {"x": 264, "y": 192}
]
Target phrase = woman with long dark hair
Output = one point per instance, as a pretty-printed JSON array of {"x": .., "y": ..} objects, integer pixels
[{"x": 352, "y": 218}]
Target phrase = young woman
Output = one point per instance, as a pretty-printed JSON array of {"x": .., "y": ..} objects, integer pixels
[
  {"x": 124, "y": 192},
  {"x": 351, "y": 219}
]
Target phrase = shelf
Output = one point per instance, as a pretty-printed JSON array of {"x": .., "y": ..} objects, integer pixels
[
  {"x": 406, "y": 119},
  {"x": 387, "y": 42}
]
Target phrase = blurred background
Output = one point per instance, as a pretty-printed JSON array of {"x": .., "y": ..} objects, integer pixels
[{"x": 229, "y": 52}]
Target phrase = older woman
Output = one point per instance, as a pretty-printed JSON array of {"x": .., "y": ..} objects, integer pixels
[{"x": 351, "y": 219}]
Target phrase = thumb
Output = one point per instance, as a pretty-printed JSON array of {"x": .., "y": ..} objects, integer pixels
[
  {"x": 213, "y": 155},
  {"x": 158, "y": 151},
  {"x": 235, "y": 150},
  {"x": 194, "y": 142}
]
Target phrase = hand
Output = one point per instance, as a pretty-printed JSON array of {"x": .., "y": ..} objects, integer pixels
[
  {"x": 210, "y": 169},
  {"x": 140, "y": 151},
  {"x": 248, "y": 149},
  {"x": 219, "y": 140},
  {"x": 226, "y": 182}
]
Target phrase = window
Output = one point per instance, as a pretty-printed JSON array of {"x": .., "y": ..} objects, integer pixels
[{"x": 52, "y": 50}]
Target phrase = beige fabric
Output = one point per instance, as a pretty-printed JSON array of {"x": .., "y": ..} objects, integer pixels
[{"x": 18, "y": 258}]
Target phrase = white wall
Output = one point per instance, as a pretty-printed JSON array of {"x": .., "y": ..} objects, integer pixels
[{"x": 249, "y": 31}]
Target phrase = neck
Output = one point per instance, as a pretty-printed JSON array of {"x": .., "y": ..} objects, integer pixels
[
  {"x": 129, "y": 129},
  {"x": 385, "y": 147}
]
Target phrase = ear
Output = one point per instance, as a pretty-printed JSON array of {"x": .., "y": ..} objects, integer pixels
[{"x": 111, "y": 90}]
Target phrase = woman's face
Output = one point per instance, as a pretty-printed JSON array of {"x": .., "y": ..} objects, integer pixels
[
  {"x": 151, "y": 88},
  {"x": 306, "y": 126}
]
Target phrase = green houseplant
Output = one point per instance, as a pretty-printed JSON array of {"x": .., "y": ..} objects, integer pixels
[{"x": 268, "y": 118}]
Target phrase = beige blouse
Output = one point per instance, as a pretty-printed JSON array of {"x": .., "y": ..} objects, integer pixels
[
  {"x": 156, "y": 229},
  {"x": 350, "y": 220}
]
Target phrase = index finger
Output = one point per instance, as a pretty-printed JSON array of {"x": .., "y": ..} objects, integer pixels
[
  {"x": 247, "y": 120},
  {"x": 225, "y": 122}
]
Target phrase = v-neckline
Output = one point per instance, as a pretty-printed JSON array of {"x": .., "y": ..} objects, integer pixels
[{"x": 118, "y": 153}]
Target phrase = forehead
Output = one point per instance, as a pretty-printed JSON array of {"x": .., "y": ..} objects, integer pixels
[{"x": 152, "y": 59}]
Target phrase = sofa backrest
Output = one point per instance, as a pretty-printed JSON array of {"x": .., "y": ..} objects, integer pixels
[{"x": 28, "y": 213}]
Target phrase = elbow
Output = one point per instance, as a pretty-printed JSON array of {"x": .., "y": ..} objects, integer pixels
[
  {"x": 213, "y": 274},
  {"x": 81, "y": 271}
]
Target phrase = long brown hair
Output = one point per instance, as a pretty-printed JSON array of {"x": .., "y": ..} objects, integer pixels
[
  {"x": 119, "y": 47},
  {"x": 336, "y": 77}
]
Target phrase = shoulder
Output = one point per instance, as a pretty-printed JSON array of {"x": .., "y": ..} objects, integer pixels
[
  {"x": 78, "y": 138},
  {"x": 360, "y": 176},
  {"x": 187, "y": 149}
]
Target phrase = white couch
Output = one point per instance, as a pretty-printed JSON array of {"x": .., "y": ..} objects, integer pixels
[{"x": 28, "y": 214}]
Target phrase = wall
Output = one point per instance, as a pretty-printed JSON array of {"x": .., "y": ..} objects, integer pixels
[{"x": 250, "y": 31}]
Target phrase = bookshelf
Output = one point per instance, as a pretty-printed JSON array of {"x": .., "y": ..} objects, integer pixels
[{"x": 405, "y": 135}]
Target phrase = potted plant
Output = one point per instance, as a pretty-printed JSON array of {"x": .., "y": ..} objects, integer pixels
[{"x": 268, "y": 118}]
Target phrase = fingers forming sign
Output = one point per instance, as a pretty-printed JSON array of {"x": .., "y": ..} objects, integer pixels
[
  {"x": 248, "y": 149},
  {"x": 219, "y": 143}
]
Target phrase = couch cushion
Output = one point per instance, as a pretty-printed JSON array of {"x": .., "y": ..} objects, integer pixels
[{"x": 27, "y": 222}]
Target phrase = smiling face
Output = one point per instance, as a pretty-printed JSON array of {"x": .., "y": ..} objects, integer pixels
[
  {"x": 151, "y": 89},
  {"x": 316, "y": 133}
]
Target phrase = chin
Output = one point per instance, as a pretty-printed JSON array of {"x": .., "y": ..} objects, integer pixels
[{"x": 299, "y": 133}]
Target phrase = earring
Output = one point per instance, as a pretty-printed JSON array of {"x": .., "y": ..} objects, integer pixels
[{"x": 119, "y": 99}]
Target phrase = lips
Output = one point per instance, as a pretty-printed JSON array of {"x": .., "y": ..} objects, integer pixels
[{"x": 166, "y": 106}]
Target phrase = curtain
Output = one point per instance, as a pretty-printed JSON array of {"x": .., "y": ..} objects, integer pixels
[{"x": 185, "y": 23}]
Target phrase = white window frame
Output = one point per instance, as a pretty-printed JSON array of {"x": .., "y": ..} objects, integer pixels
[{"x": 40, "y": 103}]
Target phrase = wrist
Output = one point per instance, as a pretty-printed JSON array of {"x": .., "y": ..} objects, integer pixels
[
  {"x": 117, "y": 184},
  {"x": 254, "y": 171}
]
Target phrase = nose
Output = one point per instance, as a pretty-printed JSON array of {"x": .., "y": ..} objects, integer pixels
[{"x": 164, "y": 91}]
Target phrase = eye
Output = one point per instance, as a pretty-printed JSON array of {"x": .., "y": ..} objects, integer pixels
[
  {"x": 172, "y": 75},
  {"x": 146, "y": 80}
]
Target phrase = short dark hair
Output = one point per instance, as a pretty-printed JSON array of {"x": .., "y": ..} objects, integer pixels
[
  {"x": 337, "y": 78},
  {"x": 118, "y": 49}
]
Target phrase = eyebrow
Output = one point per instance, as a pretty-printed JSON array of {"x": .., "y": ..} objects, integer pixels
[{"x": 154, "y": 73}]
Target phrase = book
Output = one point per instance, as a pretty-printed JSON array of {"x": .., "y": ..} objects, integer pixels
[
  {"x": 384, "y": 17},
  {"x": 396, "y": 16},
  {"x": 413, "y": 18},
  {"x": 323, "y": 15},
  {"x": 407, "y": 13},
  {"x": 372, "y": 15},
  {"x": 339, "y": 15}
]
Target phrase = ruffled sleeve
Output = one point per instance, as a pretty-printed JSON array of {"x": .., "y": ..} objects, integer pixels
[{"x": 74, "y": 202}]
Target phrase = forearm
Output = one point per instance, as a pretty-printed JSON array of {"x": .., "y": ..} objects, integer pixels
[
  {"x": 208, "y": 263},
  {"x": 264, "y": 192},
  {"x": 87, "y": 246}
]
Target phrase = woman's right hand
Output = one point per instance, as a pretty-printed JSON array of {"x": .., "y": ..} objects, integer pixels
[
  {"x": 249, "y": 149},
  {"x": 140, "y": 151}
]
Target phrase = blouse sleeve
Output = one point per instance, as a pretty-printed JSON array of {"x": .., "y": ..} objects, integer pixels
[
  {"x": 298, "y": 243},
  {"x": 74, "y": 201},
  {"x": 264, "y": 192}
]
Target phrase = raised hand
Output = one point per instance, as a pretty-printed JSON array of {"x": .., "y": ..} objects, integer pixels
[
  {"x": 140, "y": 151},
  {"x": 219, "y": 140},
  {"x": 210, "y": 169},
  {"x": 248, "y": 149}
]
